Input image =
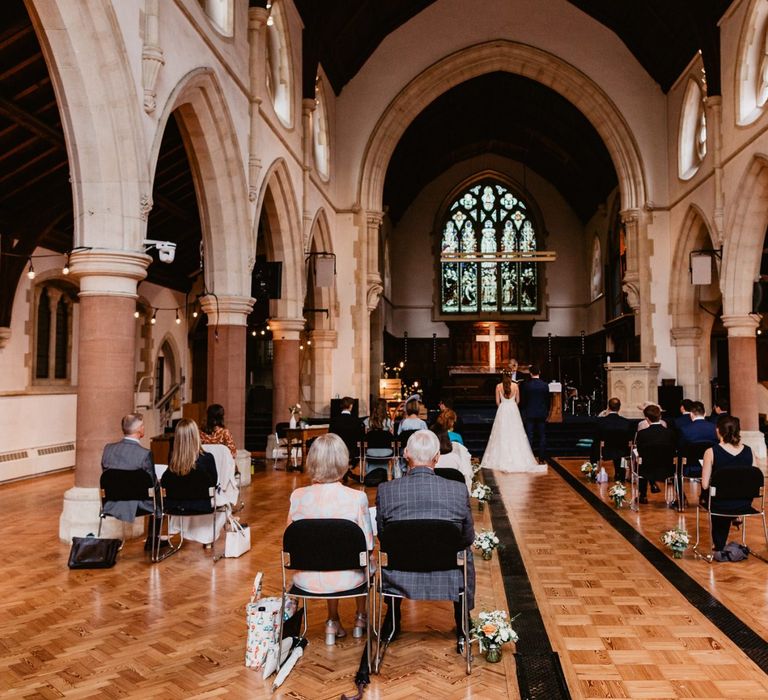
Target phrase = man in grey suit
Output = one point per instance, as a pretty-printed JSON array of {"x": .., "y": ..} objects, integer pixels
[
  {"x": 128, "y": 454},
  {"x": 422, "y": 495}
]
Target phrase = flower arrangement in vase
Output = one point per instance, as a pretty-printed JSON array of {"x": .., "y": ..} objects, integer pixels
[
  {"x": 492, "y": 629},
  {"x": 677, "y": 540},
  {"x": 617, "y": 492},
  {"x": 486, "y": 541},
  {"x": 590, "y": 470},
  {"x": 482, "y": 493}
]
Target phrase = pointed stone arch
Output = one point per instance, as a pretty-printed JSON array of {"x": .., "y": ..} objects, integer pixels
[
  {"x": 743, "y": 245},
  {"x": 102, "y": 121},
  {"x": 692, "y": 321},
  {"x": 218, "y": 172},
  {"x": 505, "y": 56},
  {"x": 277, "y": 201}
]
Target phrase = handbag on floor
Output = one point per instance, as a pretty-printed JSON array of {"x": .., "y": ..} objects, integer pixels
[
  {"x": 237, "y": 538},
  {"x": 91, "y": 552},
  {"x": 262, "y": 617}
]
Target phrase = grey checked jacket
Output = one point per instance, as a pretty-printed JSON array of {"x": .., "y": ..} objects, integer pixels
[{"x": 127, "y": 454}]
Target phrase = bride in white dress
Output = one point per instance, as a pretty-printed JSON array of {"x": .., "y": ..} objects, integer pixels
[{"x": 508, "y": 449}]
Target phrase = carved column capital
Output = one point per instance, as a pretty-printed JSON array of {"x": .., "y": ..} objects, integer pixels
[
  {"x": 373, "y": 294},
  {"x": 5, "y": 336},
  {"x": 322, "y": 338},
  {"x": 741, "y": 325},
  {"x": 286, "y": 328},
  {"x": 686, "y": 336},
  {"x": 227, "y": 309},
  {"x": 103, "y": 272},
  {"x": 257, "y": 18},
  {"x": 374, "y": 219}
]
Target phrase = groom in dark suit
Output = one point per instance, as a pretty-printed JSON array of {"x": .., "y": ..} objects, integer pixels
[{"x": 534, "y": 404}]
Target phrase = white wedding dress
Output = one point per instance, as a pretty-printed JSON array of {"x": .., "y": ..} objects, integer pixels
[{"x": 508, "y": 449}]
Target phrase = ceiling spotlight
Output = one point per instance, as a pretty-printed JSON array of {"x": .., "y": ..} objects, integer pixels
[{"x": 31, "y": 271}]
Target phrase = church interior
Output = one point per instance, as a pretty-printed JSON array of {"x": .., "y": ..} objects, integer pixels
[{"x": 269, "y": 205}]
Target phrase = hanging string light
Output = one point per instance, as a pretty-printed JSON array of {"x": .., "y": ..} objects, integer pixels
[
  {"x": 136, "y": 313},
  {"x": 153, "y": 320},
  {"x": 65, "y": 269},
  {"x": 31, "y": 271},
  {"x": 178, "y": 318}
]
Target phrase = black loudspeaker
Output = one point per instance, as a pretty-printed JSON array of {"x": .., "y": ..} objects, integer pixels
[
  {"x": 760, "y": 297},
  {"x": 266, "y": 280},
  {"x": 670, "y": 398},
  {"x": 336, "y": 408}
]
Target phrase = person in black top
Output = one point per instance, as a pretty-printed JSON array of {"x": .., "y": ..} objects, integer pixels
[
  {"x": 656, "y": 448},
  {"x": 350, "y": 430},
  {"x": 613, "y": 432}
]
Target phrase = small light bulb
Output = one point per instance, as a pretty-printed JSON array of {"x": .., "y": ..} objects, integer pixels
[
  {"x": 178, "y": 320},
  {"x": 136, "y": 314},
  {"x": 194, "y": 314},
  {"x": 269, "y": 328},
  {"x": 253, "y": 332},
  {"x": 402, "y": 364},
  {"x": 31, "y": 274},
  {"x": 301, "y": 347},
  {"x": 65, "y": 270},
  {"x": 270, "y": 21},
  {"x": 263, "y": 332},
  {"x": 309, "y": 342},
  {"x": 153, "y": 321}
]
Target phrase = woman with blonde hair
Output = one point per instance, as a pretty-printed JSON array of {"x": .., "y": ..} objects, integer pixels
[
  {"x": 188, "y": 455},
  {"x": 327, "y": 497}
]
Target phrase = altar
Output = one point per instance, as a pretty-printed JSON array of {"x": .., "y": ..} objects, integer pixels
[{"x": 472, "y": 382}]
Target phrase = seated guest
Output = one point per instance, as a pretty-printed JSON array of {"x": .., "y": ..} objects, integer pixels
[
  {"x": 378, "y": 440},
  {"x": 685, "y": 414},
  {"x": 381, "y": 411},
  {"x": 421, "y": 494},
  {"x": 656, "y": 448},
  {"x": 728, "y": 453},
  {"x": 720, "y": 408},
  {"x": 614, "y": 431},
  {"x": 215, "y": 433},
  {"x": 447, "y": 421},
  {"x": 128, "y": 454},
  {"x": 411, "y": 420},
  {"x": 453, "y": 455},
  {"x": 349, "y": 429},
  {"x": 644, "y": 423},
  {"x": 444, "y": 404},
  {"x": 188, "y": 455},
  {"x": 698, "y": 429},
  {"x": 326, "y": 497}
]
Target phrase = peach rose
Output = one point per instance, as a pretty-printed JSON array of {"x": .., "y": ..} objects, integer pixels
[{"x": 489, "y": 629}]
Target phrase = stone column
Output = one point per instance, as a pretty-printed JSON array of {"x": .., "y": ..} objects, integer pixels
[
  {"x": 106, "y": 377},
  {"x": 742, "y": 379},
  {"x": 323, "y": 344},
  {"x": 285, "y": 366},
  {"x": 257, "y": 20},
  {"x": 637, "y": 279},
  {"x": 227, "y": 321},
  {"x": 691, "y": 374}
]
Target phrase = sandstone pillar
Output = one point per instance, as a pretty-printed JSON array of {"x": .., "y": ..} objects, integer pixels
[
  {"x": 742, "y": 379},
  {"x": 637, "y": 279},
  {"x": 321, "y": 382},
  {"x": 285, "y": 366},
  {"x": 106, "y": 376},
  {"x": 692, "y": 374},
  {"x": 227, "y": 321}
]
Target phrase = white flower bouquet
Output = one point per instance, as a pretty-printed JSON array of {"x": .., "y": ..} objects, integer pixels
[
  {"x": 486, "y": 541},
  {"x": 481, "y": 492},
  {"x": 677, "y": 540},
  {"x": 590, "y": 469},
  {"x": 295, "y": 409},
  {"x": 492, "y": 629},
  {"x": 617, "y": 492}
]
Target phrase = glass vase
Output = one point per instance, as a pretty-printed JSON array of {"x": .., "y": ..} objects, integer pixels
[
  {"x": 677, "y": 553},
  {"x": 487, "y": 554},
  {"x": 480, "y": 505},
  {"x": 617, "y": 502},
  {"x": 493, "y": 653}
]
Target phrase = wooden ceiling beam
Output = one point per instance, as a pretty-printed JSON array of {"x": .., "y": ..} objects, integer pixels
[
  {"x": 30, "y": 122},
  {"x": 9, "y": 195}
]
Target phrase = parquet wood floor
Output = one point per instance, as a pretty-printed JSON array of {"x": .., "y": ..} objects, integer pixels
[
  {"x": 176, "y": 629},
  {"x": 621, "y": 629},
  {"x": 742, "y": 587}
]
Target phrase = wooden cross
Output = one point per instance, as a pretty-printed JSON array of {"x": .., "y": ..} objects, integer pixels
[{"x": 491, "y": 339}]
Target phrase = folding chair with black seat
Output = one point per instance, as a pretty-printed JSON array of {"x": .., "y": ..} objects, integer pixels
[
  {"x": 327, "y": 544},
  {"x": 728, "y": 485},
  {"x": 689, "y": 467},
  {"x": 188, "y": 495},
  {"x": 614, "y": 447},
  {"x": 129, "y": 485},
  {"x": 657, "y": 463},
  {"x": 451, "y": 474},
  {"x": 422, "y": 546},
  {"x": 378, "y": 451}
]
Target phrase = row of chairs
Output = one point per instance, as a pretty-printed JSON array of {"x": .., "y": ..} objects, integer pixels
[
  {"x": 409, "y": 545},
  {"x": 192, "y": 494}
]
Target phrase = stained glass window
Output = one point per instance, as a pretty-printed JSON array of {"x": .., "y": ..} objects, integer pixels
[{"x": 486, "y": 220}]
